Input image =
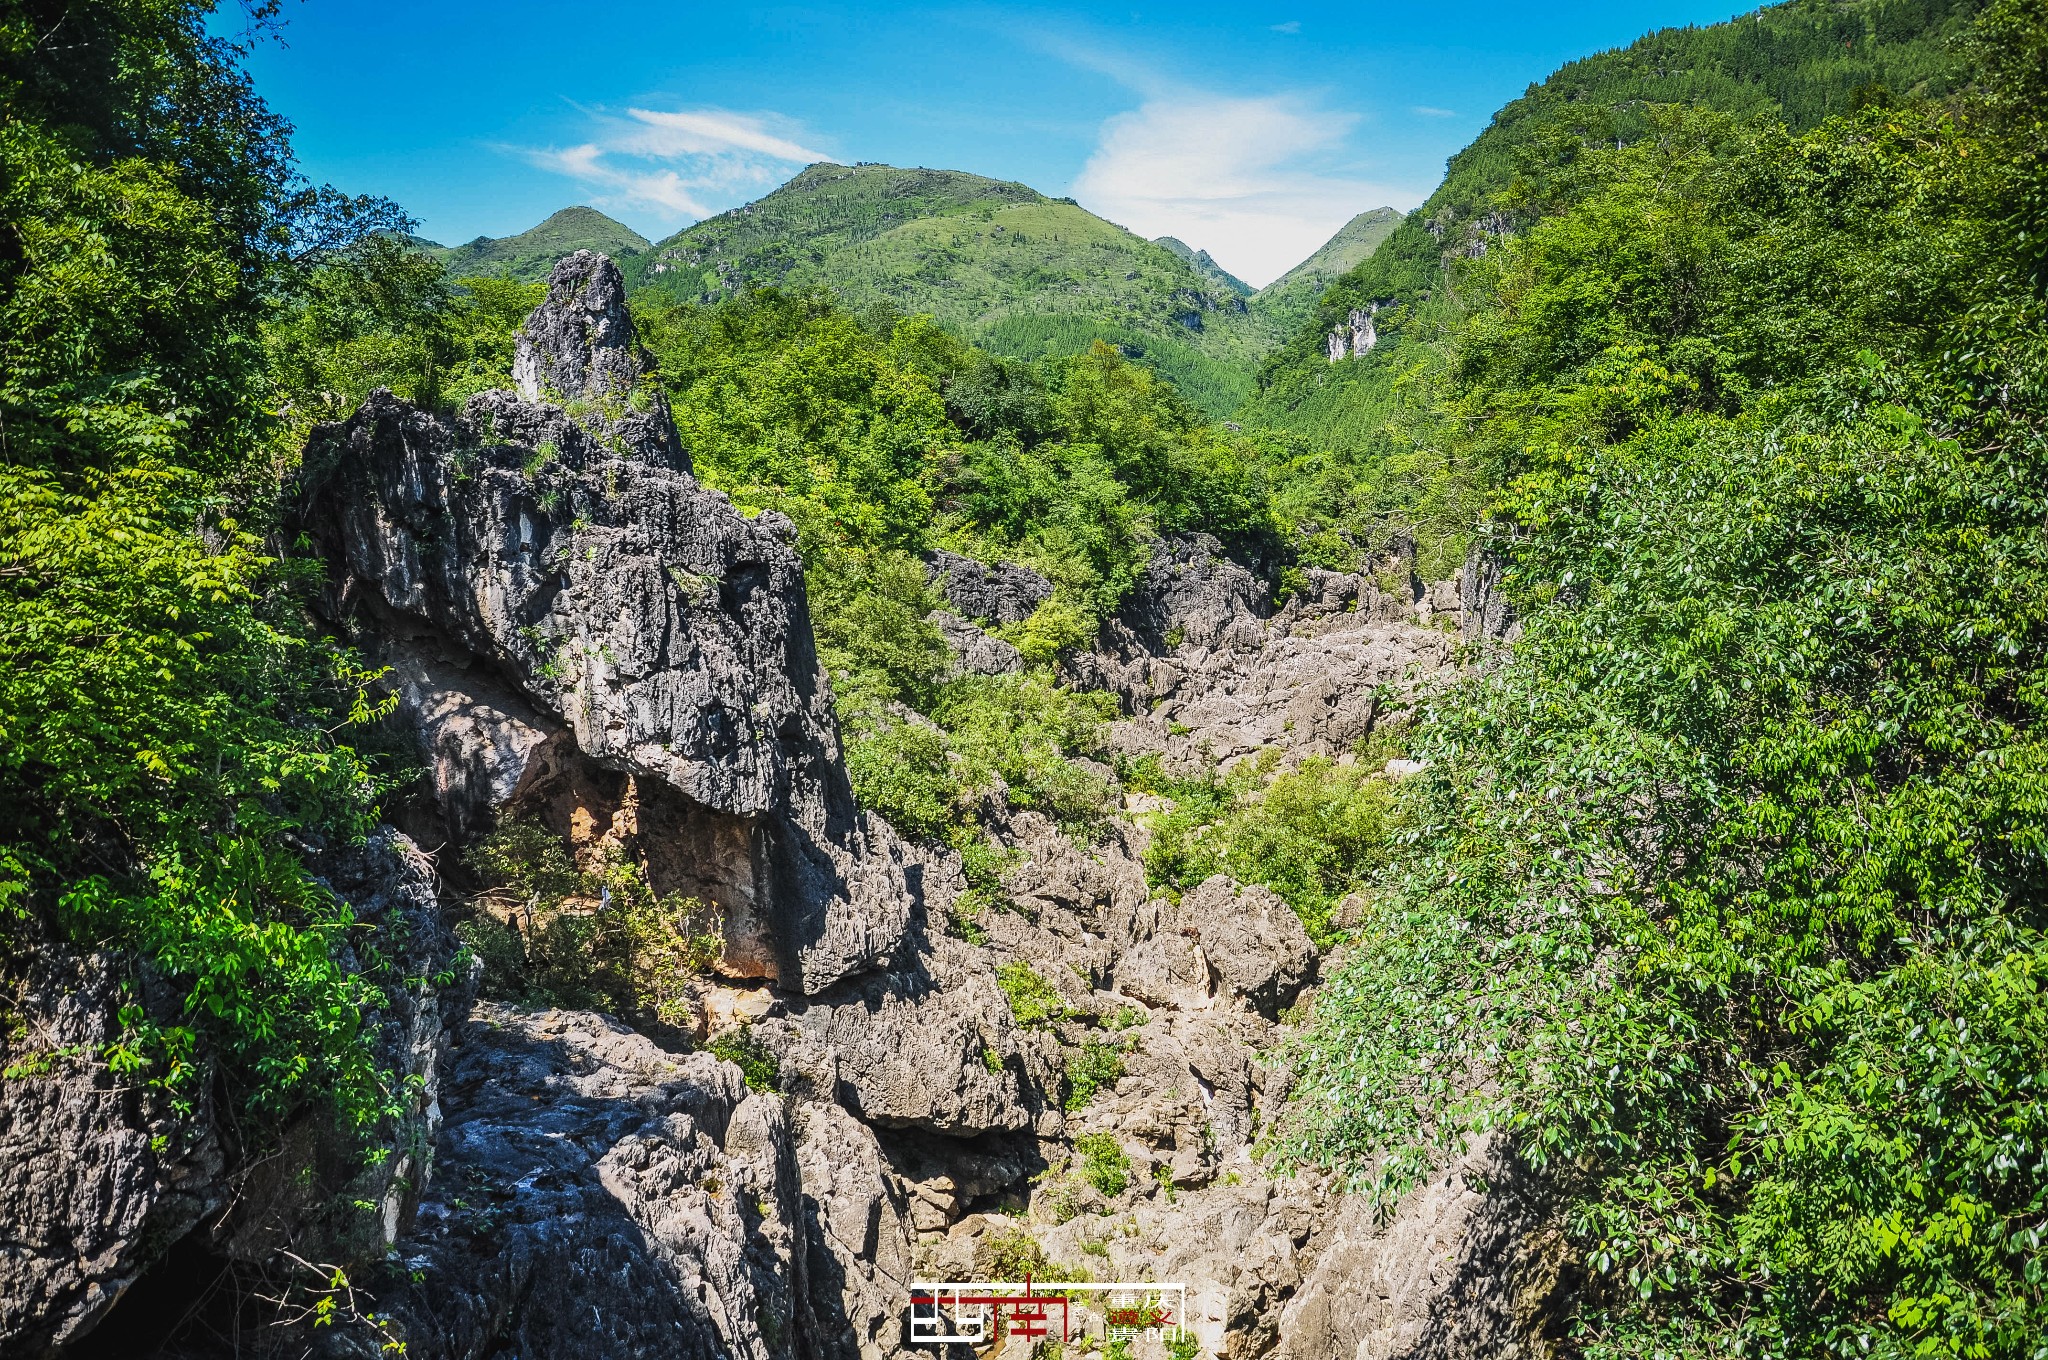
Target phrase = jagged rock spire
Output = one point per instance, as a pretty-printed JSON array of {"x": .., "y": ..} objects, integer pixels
[
  {"x": 578, "y": 345},
  {"x": 579, "y": 342}
]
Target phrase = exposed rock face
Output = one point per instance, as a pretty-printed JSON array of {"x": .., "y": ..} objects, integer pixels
[
  {"x": 1253, "y": 941},
  {"x": 596, "y": 1195},
  {"x": 1466, "y": 1267},
  {"x": 579, "y": 346},
  {"x": 556, "y": 594},
  {"x": 1486, "y": 612},
  {"x": 87, "y": 1195},
  {"x": 1191, "y": 593},
  {"x": 1211, "y": 677},
  {"x": 1004, "y": 593},
  {"x": 101, "y": 1175},
  {"x": 975, "y": 652}
]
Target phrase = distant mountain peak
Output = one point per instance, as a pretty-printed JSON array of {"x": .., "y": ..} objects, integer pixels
[
  {"x": 991, "y": 260},
  {"x": 531, "y": 254},
  {"x": 1205, "y": 265}
]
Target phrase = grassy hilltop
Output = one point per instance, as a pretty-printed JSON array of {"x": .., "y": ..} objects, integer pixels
[
  {"x": 993, "y": 261},
  {"x": 528, "y": 256}
]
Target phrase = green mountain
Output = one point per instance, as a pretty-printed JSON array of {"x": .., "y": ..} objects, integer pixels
[
  {"x": 532, "y": 253},
  {"x": 1799, "y": 62},
  {"x": 1205, "y": 265},
  {"x": 994, "y": 261},
  {"x": 1285, "y": 303}
]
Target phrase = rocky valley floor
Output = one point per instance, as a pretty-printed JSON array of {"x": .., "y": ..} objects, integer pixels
[{"x": 1069, "y": 1076}]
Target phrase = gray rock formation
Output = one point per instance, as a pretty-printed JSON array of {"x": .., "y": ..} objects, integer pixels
[
  {"x": 1004, "y": 593},
  {"x": 578, "y": 347},
  {"x": 1464, "y": 1267},
  {"x": 102, "y": 1175},
  {"x": 1253, "y": 941},
  {"x": 89, "y": 1196},
  {"x": 1485, "y": 610},
  {"x": 562, "y": 607},
  {"x": 597, "y": 1196},
  {"x": 975, "y": 652}
]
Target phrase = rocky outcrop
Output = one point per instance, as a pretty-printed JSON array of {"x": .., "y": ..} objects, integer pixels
[
  {"x": 561, "y": 602},
  {"x": 597, "y": 1195},
  {"x": 975, "y": 652},
  {"x": 106, "y": 1179},
  {"x": 1252, "y": 940},
  {"x": 1210, "y": 676},
  {"x": 578, "y": 347},
  {"x": 999, "y": 593},
  {"x": 99, "y": 1174},
  {"x": 1468, "y": 1265}
]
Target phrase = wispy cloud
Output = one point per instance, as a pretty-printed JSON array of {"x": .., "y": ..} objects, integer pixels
[
  {"x": 678, "y": 163},
  {"x": 1291, "y": 26},
  {"x": 1258, "y": 181},
  {"x": 1427, "y": 112}
]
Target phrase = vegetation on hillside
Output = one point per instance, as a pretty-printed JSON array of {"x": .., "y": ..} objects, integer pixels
[
  {"x": 1722, "y": 895},
  {"x": 1796, "y": 63},
  {"x": 172, "y": 733},
  {"x": 994, "y": 262},
  {"x": 528, "y": 256},
  {"x": 1285, "y": 305}
]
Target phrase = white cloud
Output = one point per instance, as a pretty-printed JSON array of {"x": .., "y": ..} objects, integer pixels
[
  {"x": 1250, "y": 179},
  {"x": 1291, "y": 26},
  {"x": 1427, "y": 112},
  {"x": 678, "y": 163}
]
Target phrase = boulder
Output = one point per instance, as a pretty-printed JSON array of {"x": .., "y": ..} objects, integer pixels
[
  {"x": 975, "y": 652},
  {"x": 999, "y": 593},
  {"x": 1253, "y": 940}
]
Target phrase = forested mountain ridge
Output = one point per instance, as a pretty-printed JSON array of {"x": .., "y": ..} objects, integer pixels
[
  {"x": 529, "y": 255},
  {"x": 995, "y": 262},
  {"x": 1801, "y": 62},
  {"x": 1206, "y": 264}
]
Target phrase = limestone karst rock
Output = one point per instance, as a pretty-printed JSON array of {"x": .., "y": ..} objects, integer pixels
[
  {"x": 575, "y": 623},
  {"x": 103, "y": 1177},
  {"x": 1002, "y": 593}
]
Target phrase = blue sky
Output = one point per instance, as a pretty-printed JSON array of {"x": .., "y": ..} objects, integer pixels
[{"x": 1252, "y": 130}]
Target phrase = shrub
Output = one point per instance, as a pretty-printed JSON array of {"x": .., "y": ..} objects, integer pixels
[
  {"x": 551, "y": 933},
  {"x": 744, "y": 1049},
  {"x": 1311, "y": 835},
  {"x": 1096, "y": 1067},
  {"x": 1008, "y": 1254},
  {"x": 1033, "y": 1002},
  {"x": 1104, "y": 1163}
]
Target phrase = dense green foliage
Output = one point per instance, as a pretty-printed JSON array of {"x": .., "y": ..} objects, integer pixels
[
  {"x": 1795, "y": 64},
  {"x": 528, "y": 256},
  {"x": 1312, "y": 834},
  {"x": 993, "y": 262},
  {"x": 167, "y": 718},
  {"x": 1104, "y": 1163},
  {"x": 380, "y": 314},
  {"x": 1722, "y": 895}
]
